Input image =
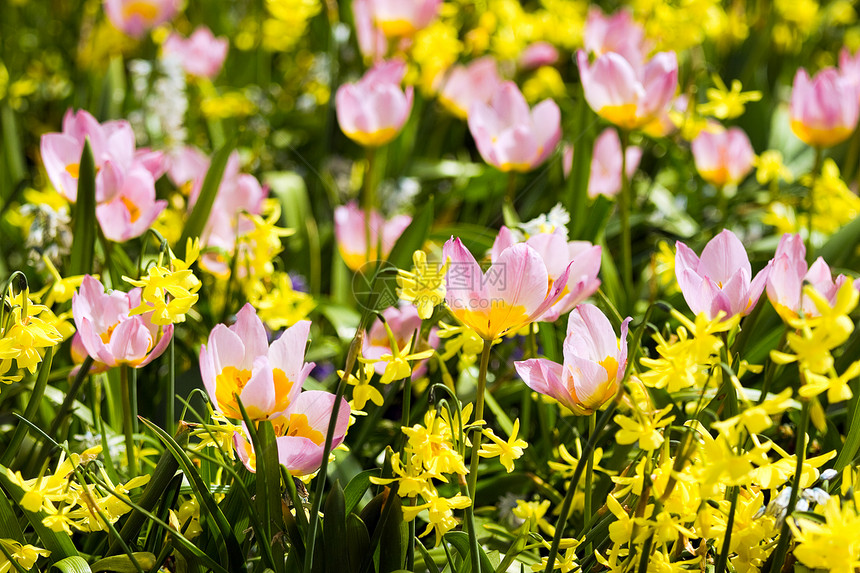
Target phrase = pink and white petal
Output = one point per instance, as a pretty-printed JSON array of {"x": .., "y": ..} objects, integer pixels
[
  {"x": 300, "y": 455},
  {"x": 590, "y": 334},
  {"x": 249, "y": 328},
  {"x": 518, "y": 279},
  {"x": 93, "y": 343},
  {"x": 226, "y": 348},
  {"x": 288, "y": 351},
  {"x": 503, "y": 240},
  {"x": 258, "y": 396},
  {"x": 722, "y": 256},
  {"x": 553, "y": 250},
  {"x": 130, "y": 340},
  {"x": 464, "y": 279},
  {"x": 544, "y": 377},
  {"x": 317, "y": 406}
]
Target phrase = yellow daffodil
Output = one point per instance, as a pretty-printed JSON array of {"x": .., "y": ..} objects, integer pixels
[{"x": 507, "y": 451}]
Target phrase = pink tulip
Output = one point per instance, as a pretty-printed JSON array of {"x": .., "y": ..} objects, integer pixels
[
  {"x": 79, "y": 354},
  {"x": 849, "y": 68},
  {"x": 566, "y": 159},
  {"x": 371, "y": 40},
  {"x": 509, "y": 135},
  {"x": 238, "y": 360},
  {"x": 580, "y": 260},
  {"x": 605, "y": 175},
  {"x": 721, "y": 280},
  {"x": 135, "y": 17},
  {"x": 617, "y": 33},
  {"x": 537, "y": 55},
  {"x": 133, "y": 210},
  {"x": 403, "y": 17},
  {"x": 113, "y": 151},
  {"x": 109, "y": 334},
  {"x": 464, "y": 85},
  {"x": 627, "y": 95},
  {"x": 824, "y": 109},
  {"x": 404, "y": 322},
  {"x": 789, "y": 272},
  {"x": 723, "y": 157},
  {"x": 187, "y": 168},
  {"x": 239, "y": 195},
  {"x": 201, "y": 55},
  {"x": 350, "y": 230},
  {"x": 301, "y": 432},
  {"x": 372, "y": 111},
  {"x": 515, "y": 291},
  {"x": 594, "y": 363}
]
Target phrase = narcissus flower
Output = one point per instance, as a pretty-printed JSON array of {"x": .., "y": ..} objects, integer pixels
[
  {"x": 605, "y": 175},
  {"x": 509, "y": 135},
  {"x": 403, "y": 17},
  {"x": 404, "y": 324},
  {"x": 594, "y": 363},
  {"x": 201, "y": 54},
  {"x": 723, "y": 157},
  {"x": 300, "y": 433},
  {"x": 515, "y": 291},
  {"x": 721, "y": 280},
  {"x": 350, "y": 230},
  {"x": 824, "y": 109},
  {"x": 135, "y": 17},
  {"x": 238, "y": 361},
  {"x": 108, "y": 331},
  {"x": 789, "y": 272},
  {"x": 580, "y": 259},
  {"x": 627, "y": 95},
  {"x": 462, "y": 85},
  {"x": 373, "y": 110},
  {"x": 113, "y": 151}
]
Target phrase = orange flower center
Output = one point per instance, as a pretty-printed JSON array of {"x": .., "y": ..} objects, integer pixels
[{"x": 133, "y": 210}]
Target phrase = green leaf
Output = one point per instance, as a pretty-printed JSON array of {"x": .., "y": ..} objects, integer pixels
[
  {"x": 200, "y": 213},
  {"x": 122, "y": 564},
  {"x": 85, "y": 223},
  {"x": 9, "y": 527},
  {"x": 356, "y": 489},
  {"x": 840, "y": 249},
  {"x": 79, "y": 565},
  {"x": 234, "y": 552},
  {"x": 357, "y": 541},
  {"x": 413, "y": 237},
  {"x": 429, "y": 564},
  {"x": 32, "y": 406},
  {"x": 164, "y": 472},
  {"x": 392, "y": 542},
  {"x": 336, "y": 560},
  {"x": 460, "y": 541}
]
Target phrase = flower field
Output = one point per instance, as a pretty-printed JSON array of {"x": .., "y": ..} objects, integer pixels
[{"x": 444, "y": 286}]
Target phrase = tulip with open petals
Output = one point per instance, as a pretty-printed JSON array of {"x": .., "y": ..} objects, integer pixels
[
  {"x": 108, "y": 332},
  {"x": 464, "y": 85},
  {"x": 135, "y": 17},
  {"x": 300, "y": 433},
  {"x": 403, "y": 17},
  {"x": 113, "y": 148},
  {"x": 594, "y": 363},
  {"x": 605, "y": 175},
  {"x": 509, "y": 135},
  {"x": 515, "y": 291},
  {"x": 723, "y": 157},
  {"x": 789, "y": 272},
  {"x": 617, "y": 33},
  {"x": 580, "y": 259},
  {"x": 351, "y": 230},
  {"x": 627, "y": 95},
  {"x": 371, "y": 41},
  {"x": 537, "y": 55},
  {"x": 824, "y": 109},
  {"x": 238, "y": 361},
  {"x": 721, "y": 280},
  {"x": 404, "y": 322},
  {"x": 373, "y": 110},
  {"x": 133, "y": 210},
  {"x": 849, "y": 68},
  {"x": 201, "y": 54}
]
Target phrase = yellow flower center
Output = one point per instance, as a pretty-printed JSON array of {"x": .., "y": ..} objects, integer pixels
[
  {"x": 228, "y": 384},
  {"x": 299, "y": 427},
  {"x": 144, "y": 10},
  {"x": 133, "y": 210},
  {"x": 73, "y": 169}
]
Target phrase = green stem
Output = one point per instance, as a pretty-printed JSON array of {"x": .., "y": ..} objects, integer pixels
[
  {"x": 574, "y": 480},
  {"x": 127, "y": 421},
  {"x": 816, "y": 169},
  {"x": 800, "y": 453},
  {"x": 32, "y": 407},
  {"x": 477, "y": 434},
  {"x": 171, "y": 386},
  {"x": 723, "y": 558},
  {"x": 511, "y": 192},
  {"x": 589, "y": 474},
  {"x": 624, "y": 205},
  {"x": 368, "y": 199}
]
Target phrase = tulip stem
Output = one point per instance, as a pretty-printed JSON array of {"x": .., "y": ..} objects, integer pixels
[
  {"x": 800, "y": 454},
  {"x": 368, "y": 199},
  {"x": 816, "y": 170},
  {"x": 127, "y": 420},
  {"x": 589, "y": 471},
  {"x": 511, "y": 192},
  {"x": 477, "y": 434},
  {"x": 624, "y": 203}
]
